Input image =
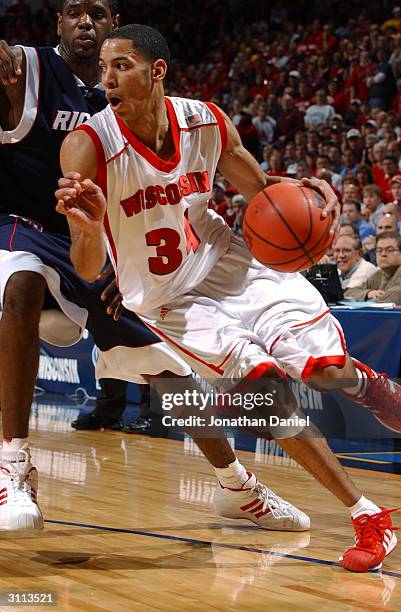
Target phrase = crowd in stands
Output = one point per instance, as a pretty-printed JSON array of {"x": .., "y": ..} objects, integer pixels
[{"x": 313, "y": 91}]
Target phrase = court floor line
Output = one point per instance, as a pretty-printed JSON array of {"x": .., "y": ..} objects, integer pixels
[{"x": 260, "y": 551}]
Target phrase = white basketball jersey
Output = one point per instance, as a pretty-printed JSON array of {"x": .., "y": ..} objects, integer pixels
[{"x": 161, "y": 236}]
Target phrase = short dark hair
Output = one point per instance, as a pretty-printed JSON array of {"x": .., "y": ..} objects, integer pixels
[
  {"x": 355, "y": 203},
  {"x": 145, "y": 39},
  {"x": 389, "y": 234},
  {"x": 113, "y": 4},
  {"x": 391, "y": 158}
]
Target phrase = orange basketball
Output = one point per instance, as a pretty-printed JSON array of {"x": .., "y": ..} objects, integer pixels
[{"x": 284, "y": 229}]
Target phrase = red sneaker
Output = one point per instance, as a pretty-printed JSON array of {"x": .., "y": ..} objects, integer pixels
[
  {"x": 382, "y": 397},
  {"x": 374, "y": 540}
]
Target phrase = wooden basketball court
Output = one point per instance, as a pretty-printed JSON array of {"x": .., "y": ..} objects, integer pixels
[{"x": 129, "y": 526}]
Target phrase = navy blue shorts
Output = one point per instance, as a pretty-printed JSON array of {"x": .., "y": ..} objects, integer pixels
[{"x": 18, "y": 234}]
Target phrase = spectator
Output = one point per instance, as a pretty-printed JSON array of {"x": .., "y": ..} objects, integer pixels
[
  {"x": 356, "y": 143},
  {"x": 380, "y": 82},
  {"x": 249, "y": 134},
  {"x": 290, "y": 121},
  {"x": 264, "y": 124},
  {"x": 390, "y": 168},
  {"x": 218, "y": 202},
  {"x": 354, "y": 115},
  {"x": 320, "y": 113},
  {"x": 350, "y": 163},
  {"x": 396, "y": 193},
  {"x": 363, "y": 175},
  {"x": 303, "y": 170},
  {"x": 266, "y": 152},
  {"x": 351, "y": 189},
  {"x": 372, "y": 201},
  {"x": 276, "y": 167},
  {"x": 351, "y": 211},
  {"x": 385, "y": 284},
  {"x": 353, "y": 270},
  {"x": 348, "y": 229},
  {"x": 239, "y": 205},
  {"x": 387, "y": 223}
]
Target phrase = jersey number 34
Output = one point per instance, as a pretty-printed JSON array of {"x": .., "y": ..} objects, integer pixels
[{"x": 167, "y": 242}]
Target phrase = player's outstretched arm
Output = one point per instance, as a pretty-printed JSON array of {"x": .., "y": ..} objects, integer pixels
[
  {"x": 242, "y": 170},
  {"x": 83, "y": 203}
]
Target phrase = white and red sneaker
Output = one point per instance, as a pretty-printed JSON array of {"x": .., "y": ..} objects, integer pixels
[
  {"x": 255, "y": 502},
  {"x": 19, "y": 508},
  {"x": 382, "y": 396},
  {"x": 374, "y": 540}
]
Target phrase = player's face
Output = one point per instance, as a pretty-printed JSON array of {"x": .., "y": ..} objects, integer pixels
[
  {"x": 129, "y": 79},
  {"x": 83, "y": 26}
]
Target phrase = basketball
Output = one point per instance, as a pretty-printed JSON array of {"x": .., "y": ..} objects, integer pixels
[{"x": 284, "y": 229}]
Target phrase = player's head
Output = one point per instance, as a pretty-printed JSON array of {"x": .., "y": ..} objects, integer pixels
[
  {"x": 83, "y": 25},
  {"x": 133, "y": 62}
]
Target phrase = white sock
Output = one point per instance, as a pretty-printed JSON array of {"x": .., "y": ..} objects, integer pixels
[
  {"x": 12, "y": 447},
  {"x": 361, "y": 384},
  {"x": 363, "y": 506},
  {"x": 234, "y": 476}
]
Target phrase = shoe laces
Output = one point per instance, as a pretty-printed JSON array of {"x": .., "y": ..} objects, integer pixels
[
  {"x": 369, "y": 529},
  {"x": 277, "y": 506},
  {"x": 17, "y": 475}
]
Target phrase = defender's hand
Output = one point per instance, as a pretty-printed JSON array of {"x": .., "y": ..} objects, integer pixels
[
  {"x": 10, "y": 65},
  {"x": 111, "y": 295}
]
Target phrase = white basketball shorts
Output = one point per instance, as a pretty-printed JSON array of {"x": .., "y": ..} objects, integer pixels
[{"x": 245, "y": 318}]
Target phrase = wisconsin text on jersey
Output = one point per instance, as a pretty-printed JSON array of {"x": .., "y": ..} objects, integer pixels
[{"x": 144, "y": 199}]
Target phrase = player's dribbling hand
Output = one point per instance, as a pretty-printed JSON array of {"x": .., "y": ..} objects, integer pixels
[
  {"x": 82, "y": 202},
  {"x": 332, "y": 203},
  {"x": 10, "y": 64}
]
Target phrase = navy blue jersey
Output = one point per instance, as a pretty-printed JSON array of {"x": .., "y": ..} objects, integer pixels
[{"x": 29, "y": 155}]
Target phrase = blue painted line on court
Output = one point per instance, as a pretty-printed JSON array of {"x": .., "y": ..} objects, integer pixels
[{"x": 260, "y": 551}]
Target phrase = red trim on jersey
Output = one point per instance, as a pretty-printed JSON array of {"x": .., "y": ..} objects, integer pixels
[
  {"x": 10, "y": 246},
  {"x": 222, "y": 125},
  {"x": 165, "y": 165},
  {"x": 342, "y": 338},
  {"x": 101, "y": 159},
  {"x": 262, "y": 368},
  {"x": 317, "y": 363},
  {"x": 314, "y": 363},
  {"x": 197, "y": 127},
  {"x": 184, "y": 350},
  {"x": 228, "y": 356},
  {"x": 311, "y": 320},
  {"x": 102, "y": 181},
  {"x": 118, "y": 154}
]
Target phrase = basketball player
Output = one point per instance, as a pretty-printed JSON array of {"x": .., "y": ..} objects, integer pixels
[
  {"x": 181, "y": 269},
  {"x": 46, "y": 93}
]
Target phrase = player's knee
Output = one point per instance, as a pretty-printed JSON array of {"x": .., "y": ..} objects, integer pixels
[
  {"x": 24, "y": 295},
  {"x": 328, "y": 377}
]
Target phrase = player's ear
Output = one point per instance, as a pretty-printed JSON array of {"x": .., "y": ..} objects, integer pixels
[
  {"x": 59, "y": 20},
  {"x": 159, "y": 70},
  {"x": 116, "y": 22}
]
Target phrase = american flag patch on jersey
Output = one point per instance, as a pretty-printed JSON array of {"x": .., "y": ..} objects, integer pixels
[{"x": 193, "y": 120}]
